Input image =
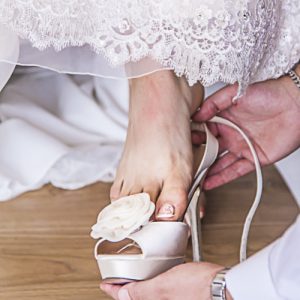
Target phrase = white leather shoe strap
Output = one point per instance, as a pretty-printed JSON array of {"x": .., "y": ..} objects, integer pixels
[
  {"x": 247, "y": 224},
  {"x": 210, "y": 155}
]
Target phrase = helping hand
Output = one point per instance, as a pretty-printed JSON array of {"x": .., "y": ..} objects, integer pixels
[
  {"x": 269, "y": 113},
  {"x": 188, "y": 281}
]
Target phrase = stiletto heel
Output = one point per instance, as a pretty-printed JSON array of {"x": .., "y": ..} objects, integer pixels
[
  {"x": 209, "y": 157},
  {"x": 195, "y": 226}
]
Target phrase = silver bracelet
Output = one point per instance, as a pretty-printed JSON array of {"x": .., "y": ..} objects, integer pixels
[{"x": 294, "y": 76}]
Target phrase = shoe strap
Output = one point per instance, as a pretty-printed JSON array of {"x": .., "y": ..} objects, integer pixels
[
  {"x": 192, "y": 213},
  {"x": 259, "y": 185},
  {"x": 208, "y": 160},
  {"x": 209, "y": 157},
  {"x": 193, "y": 206}
]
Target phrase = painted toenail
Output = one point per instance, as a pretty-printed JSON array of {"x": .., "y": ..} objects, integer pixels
[
  {"x": 166, "y": 211},
  {"x": 123, "y": 294}
]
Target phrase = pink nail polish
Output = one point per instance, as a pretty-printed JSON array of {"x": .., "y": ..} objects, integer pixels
[{"x": 166, "y": 211}]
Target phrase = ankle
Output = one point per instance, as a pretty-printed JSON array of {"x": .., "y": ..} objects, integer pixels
[
  {"x": 291, "y": 90},
  {"x": 162, "y": 89},
  {"x": 198, "y": 97},
  {"x": 193, "y": 95},
  {"x": 155, "y": 80}
]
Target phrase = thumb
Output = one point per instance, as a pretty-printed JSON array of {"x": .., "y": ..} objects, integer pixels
[
  {"x": 124, "y": 294},
  {"x": 216, "y": 103},
  {"x": 137, "y": 291}
]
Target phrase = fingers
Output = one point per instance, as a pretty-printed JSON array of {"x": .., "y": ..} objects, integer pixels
[
  {"x": 111, "y": 290},
  {"x": 219, "y": 101},
  {"x": 233, "y": 171},
  {"x": 144, "y": 290},
  {"x": 222, "y": 163}
]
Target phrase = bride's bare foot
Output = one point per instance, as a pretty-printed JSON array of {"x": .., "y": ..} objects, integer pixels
[{"x": 157, "y": 157}]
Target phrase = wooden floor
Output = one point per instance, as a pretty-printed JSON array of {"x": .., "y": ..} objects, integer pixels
[{"x": 46, "y": 252}]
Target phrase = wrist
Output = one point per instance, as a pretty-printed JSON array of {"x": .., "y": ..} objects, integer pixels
[
  {"x": 293, "y": 96},
  {"x": 296, "y": 99},
  {"x": 291, "y": 89},
  {"x": 292, "y": 93},
  {"x": 295, "y": 91}
]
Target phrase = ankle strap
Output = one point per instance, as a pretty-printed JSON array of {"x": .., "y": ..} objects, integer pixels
[{"x": 259, "y": 188}]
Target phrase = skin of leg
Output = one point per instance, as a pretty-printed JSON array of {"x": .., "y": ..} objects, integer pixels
[{"x": 157, "y": 157}]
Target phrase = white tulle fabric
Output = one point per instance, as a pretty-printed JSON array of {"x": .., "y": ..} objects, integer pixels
[{"x": 210, "y": 41}]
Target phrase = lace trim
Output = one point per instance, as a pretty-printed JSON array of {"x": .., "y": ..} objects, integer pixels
[
  {"x": 283, "y": 51},
  {"x": 223, "y": 40}
]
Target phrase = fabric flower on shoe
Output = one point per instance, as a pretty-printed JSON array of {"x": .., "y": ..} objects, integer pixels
[{"x": 123, "y": 217}]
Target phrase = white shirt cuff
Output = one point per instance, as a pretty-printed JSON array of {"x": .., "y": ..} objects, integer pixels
[{"x": 252, "y": 279}]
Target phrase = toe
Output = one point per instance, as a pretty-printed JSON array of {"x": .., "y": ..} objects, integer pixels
[
  {"x": 125, "y": 189},
  {"x": 153, "y": 190},
  {"x": 135, "y": 189},
  {"x": 130, "y": 187},
  {"x": 171, "y": 203},
  {"x": 115, "y": 190}
]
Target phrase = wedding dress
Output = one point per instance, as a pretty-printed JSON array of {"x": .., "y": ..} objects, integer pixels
[
  {"x": 216, "y": 40},
  {"x": 208, "y": 41}
]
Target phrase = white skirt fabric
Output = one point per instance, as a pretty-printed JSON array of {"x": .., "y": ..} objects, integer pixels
[
  {"x": 60, "y": 129},
  {"x": 206, "y": 40}
]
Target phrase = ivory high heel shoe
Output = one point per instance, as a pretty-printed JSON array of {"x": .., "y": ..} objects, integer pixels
[
  {"x": 133, "y": 248},
  {"x": 155, "y": 246}
]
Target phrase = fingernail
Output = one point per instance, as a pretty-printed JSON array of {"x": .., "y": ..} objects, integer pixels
[
  {"x": 166, "y": 211},
  {"x": 123, "y": 295}
]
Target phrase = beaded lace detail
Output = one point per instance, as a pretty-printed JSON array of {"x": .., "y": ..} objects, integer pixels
[{"x": 216, "y": 40}]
